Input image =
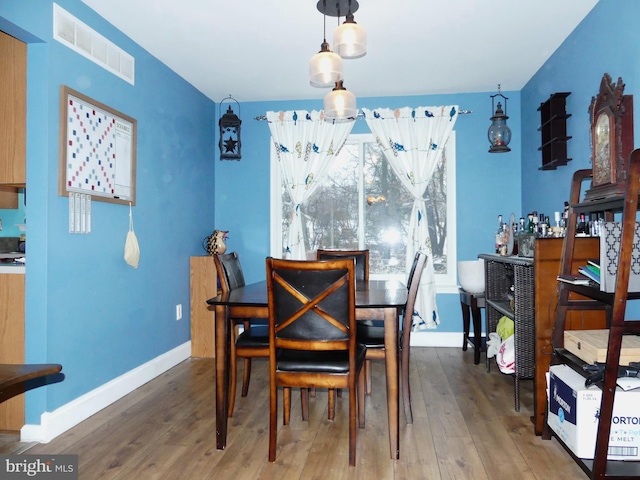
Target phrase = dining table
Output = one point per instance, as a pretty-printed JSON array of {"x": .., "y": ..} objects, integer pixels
[{"x": 375, "y": 300}]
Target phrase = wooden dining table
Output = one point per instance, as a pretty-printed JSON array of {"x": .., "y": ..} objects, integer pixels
[{"x": 375, "y": 300}]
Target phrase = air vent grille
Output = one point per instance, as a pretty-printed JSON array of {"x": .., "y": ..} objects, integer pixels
[{"x": 79, "y": 37}]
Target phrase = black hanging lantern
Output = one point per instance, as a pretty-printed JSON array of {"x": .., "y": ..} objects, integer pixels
[
  {"x": 229, "y": 132},
  {"x": 499, "y": 132}
]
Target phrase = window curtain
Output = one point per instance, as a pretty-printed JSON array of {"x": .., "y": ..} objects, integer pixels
[
  {"x": 305, "y": 146},
  {"x": 412, "y": 140}
]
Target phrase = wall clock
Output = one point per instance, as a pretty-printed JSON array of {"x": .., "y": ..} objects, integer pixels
[{"x": 611, "y": 124}]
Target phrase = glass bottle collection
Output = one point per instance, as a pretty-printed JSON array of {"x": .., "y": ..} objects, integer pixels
[{"x": 540, "y": 226}]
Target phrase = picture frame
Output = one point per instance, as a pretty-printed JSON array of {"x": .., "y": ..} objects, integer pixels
[{"x": 97, "y": 150}]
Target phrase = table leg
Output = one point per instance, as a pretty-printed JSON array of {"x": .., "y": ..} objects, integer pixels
[
  {"x": 222, "y": 374},
  {"x": 393, "y": 390}
]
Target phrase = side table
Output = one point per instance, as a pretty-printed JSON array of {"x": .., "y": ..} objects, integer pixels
[{"x": 471, "y": 303}]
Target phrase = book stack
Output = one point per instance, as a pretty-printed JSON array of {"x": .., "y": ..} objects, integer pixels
[{"x": 591, "y": 270}]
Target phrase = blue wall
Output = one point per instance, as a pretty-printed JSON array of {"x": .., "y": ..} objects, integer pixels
[
  {"x": 87, "y": 309},
  {"x": 577, "y": 67}
]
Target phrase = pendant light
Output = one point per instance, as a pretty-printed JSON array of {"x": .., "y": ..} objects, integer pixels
[
  {"x": 340, "y": 103},
  {"x": 499, "y": 133},
  {"x": 350, "y": 39},
  {"x": 325, "y": 67}
]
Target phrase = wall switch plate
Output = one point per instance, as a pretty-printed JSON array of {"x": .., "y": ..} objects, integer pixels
[{"x": 179, "y": 311}]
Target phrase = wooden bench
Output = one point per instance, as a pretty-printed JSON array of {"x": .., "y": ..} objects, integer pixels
[{"x": 18, "y": 378}]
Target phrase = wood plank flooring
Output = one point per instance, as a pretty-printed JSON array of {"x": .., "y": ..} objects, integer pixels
[{"x": 465, "y": 427}]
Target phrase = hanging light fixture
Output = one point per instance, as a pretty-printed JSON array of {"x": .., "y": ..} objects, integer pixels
[
  {"x": 325, "y": 67},
  {"x": 499, "y": 132},
  {"x": 350, "y": 39},
  {"x": 340, "y": 103},
  {"x": 229, "y": 124}
]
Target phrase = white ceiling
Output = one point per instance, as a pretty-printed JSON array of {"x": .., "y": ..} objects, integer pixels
[{"x": 259, "y": 50}]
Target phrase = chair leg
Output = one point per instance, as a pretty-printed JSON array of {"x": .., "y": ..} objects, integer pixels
[
  {"x": 361, "y": 389},
  {"x": 286, "y": 405},
  {"x": 332, "y": 404},
  {"x": 406, "y": 389},
  {"x": 233, "y": 359},
  {"x": 246, "y": 377},
  {"x": 367, "y": 374},
  {"x": 353, "y": 414},
  {"x": 304, "y": 403},
  {"x": 273, "y": 419}
]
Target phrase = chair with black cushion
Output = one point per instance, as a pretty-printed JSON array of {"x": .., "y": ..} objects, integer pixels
[
  {"x": 373, "y": 335},
  {"x": 253, "y": 342},
  {"x": 312, "y": 337},
  {"x": 361, "y": 258}
]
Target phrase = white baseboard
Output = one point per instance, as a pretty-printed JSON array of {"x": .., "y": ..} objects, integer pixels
[
  {"x": 69, "y": 415},
  {"x": 436, "y": 339}
]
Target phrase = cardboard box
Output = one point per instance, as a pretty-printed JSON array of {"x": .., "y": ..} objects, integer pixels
[
  {"x": 574, "y": 412},
  {"x": 591, "y": 346}
]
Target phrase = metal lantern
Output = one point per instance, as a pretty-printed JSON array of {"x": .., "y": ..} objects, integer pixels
[
  {"x": 499, "y": 132},
  {"x": 229, "y": 133}
]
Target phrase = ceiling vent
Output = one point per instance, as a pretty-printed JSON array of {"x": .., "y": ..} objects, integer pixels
[{"x": 71, "y": 32}]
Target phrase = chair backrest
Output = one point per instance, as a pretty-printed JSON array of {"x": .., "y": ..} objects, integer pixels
[
  {"x": 311, "y": 304},
  {"x": 413, "y": 283},
  {"x": 229, "y": 271},
  {"x": 361, "y": 257}
]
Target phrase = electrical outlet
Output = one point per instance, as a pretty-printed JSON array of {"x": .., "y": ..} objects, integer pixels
[{"x": 179, "y": 311}]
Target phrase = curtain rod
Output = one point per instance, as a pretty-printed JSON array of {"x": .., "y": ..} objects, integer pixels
[{"x": 361, "y": 115}]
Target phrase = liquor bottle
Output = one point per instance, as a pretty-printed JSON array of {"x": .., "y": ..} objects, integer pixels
[
  {"x": 499, "y": 235},
  {"x": 530, "y": 225},
  {"x": 581, "y": 227}
]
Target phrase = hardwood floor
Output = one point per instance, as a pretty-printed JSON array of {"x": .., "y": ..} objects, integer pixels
[{"x": 465, "y": 427}]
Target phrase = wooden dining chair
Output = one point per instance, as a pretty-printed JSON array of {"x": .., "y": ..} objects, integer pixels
[
  {"x": 372, "y": 335},
  {"x": 312, "y": 337},
  {"x": 360, "y": 256},
  {"x": 253, "y": 341}
]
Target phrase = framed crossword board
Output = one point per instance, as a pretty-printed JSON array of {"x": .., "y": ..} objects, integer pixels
[{"x": 97, "y": 150}]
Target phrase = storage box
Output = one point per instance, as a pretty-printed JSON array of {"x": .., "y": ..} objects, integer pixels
[
  {"x": 591, "y": 346},
  {"x": 610, "y": 236},
  {"x": 574, "y": 412}
]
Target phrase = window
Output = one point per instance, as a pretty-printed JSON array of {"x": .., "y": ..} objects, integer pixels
[{"x": 362, "y": 204}]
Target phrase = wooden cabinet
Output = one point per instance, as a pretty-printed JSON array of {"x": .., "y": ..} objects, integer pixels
[
  {"x": 204, "y": 285},
  {"x": 547, "y": 264},
  {"x": 502, "y": 273},
  {"x": 614, "y": 304},
  {"x": 13, "y": 110},
  {"x": 12, "y": 344},
  {"x": 553, "y": 127}
]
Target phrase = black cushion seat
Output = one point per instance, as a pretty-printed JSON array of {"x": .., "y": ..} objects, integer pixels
[
  {"x": 318, "y": 361},
  {"x": 255, "y": 336}
]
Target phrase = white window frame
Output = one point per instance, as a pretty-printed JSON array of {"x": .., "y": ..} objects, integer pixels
[{"x": 445, "y": 283}]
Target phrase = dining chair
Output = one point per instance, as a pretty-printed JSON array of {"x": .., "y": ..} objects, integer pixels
[
  {"x": 253, "y": 341},
  {"x": 372, "y": 335},
  {"x": 312, "y": 337},
  {"x": 361, "y": 258}
]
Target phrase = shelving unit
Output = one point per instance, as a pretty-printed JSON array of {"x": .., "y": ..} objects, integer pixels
[
  {"x": 553, "y": 125},
  {"x": 614, "y": 304},
  {"x": 500, "y": 274}
]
